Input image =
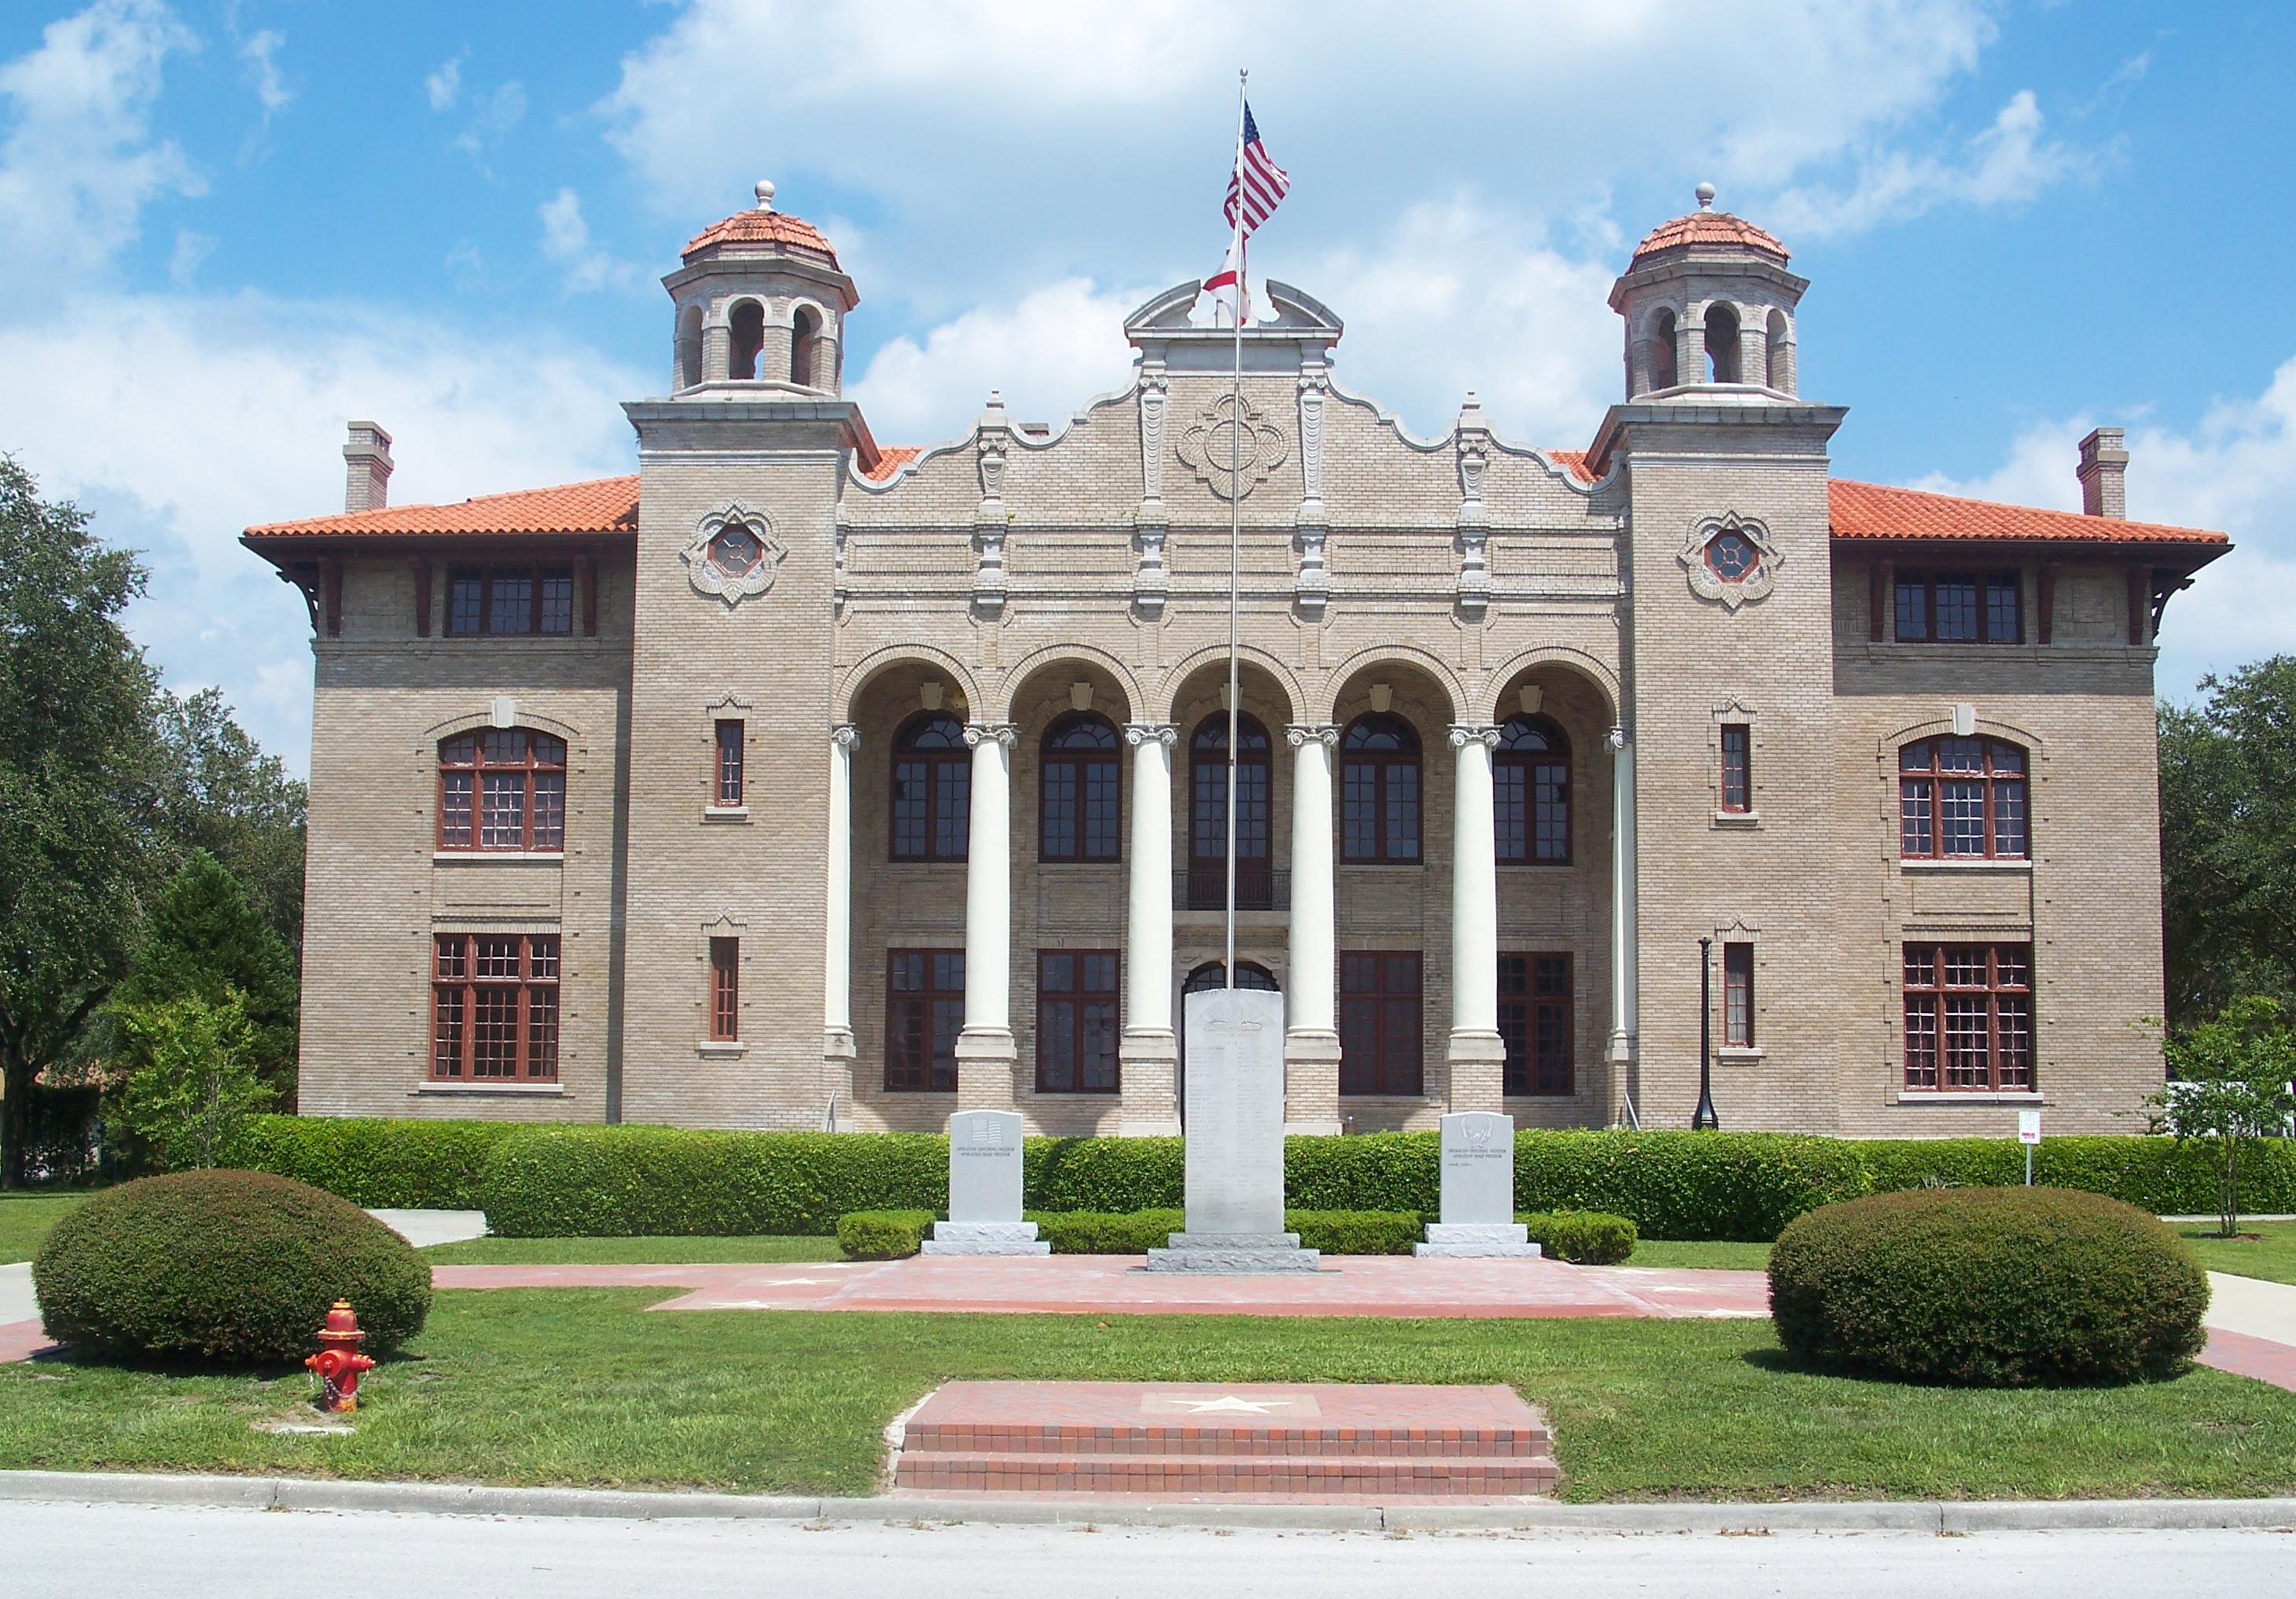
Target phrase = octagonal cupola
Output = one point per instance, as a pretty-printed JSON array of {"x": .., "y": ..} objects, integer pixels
[
  {"x": 760, "y": 307},
  {"x": 1710, "y": 310}
]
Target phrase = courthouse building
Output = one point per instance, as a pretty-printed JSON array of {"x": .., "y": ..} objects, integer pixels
[{"x": 804, "y": 780}]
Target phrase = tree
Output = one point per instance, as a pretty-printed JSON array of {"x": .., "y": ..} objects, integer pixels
[
  {"x": 219, "y": 792},
  {"x": 79, "y": 763},
  {"x": 204, "y": 937},
  {"x": 2229, "y": 1084},
  {"x": 192, "y": 1083}
]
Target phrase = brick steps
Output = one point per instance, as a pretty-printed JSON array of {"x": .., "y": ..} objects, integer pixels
[
  {"x": 1271, "y": 1439},
  {"x": 1239, "y": 1475}
]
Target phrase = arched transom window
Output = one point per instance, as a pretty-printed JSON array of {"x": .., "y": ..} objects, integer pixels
[
  {"x": 932, "y": 789},
  {"x": 1530, "y": 791},
  {"x": 501, "y": 788},
  {"x": 1080, "y": 791},
  {"x": 1379, "y": 791},
  {"x": 1962, "y": 799}
]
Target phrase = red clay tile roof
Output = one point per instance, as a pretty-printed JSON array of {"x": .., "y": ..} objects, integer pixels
[
  {"x": 1876, "y": 510},
  {"x": 1710, "y": 227},
  {"x": 755, "y": 226},
  {"x": 890, "y": 459},
  {"x": 602, "y": 505},
  {"x": 1574, "y": 461}
]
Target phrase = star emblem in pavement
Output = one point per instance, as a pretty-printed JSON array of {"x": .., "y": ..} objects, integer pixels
[{"x": 1230, "y": 1402}]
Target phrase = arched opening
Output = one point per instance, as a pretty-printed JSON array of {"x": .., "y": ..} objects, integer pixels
[
  {"x": 688, "y": 354},
  {"x": 1379, "y": 792},
  {"x": 1779, "y": 343},
  {"x": 748, "y": 325},
  {"x": 932, "y": 789},
  {"x": 1080, "y": 791},
  {"x": 805, "y": 347},
  {"x": 1530, "y": 782},
  {"x": 1662, "y": 372},
  {"x": 1255, "y": 874},
  {"x": 1721, "y": 344}
]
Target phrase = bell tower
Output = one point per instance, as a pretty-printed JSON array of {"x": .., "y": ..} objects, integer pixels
[
  {"x": 760, "y": 309},
  {"x": 1710, "y": 310}
]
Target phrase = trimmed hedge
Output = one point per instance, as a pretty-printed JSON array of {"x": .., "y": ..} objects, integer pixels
[
  {"x": 1989, "y": 1287},
  {"x": 2154, "y": 1174},
  {"x": 1355, "y": 1231},
  {"x": 231, "y": 1268},
  {"x": 1581, "y": 1237},
  {"x": 397, "y": 1162},
  {"x": 882, "y": 1235}
]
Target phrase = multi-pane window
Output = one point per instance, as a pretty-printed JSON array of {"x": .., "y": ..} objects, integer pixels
[
  {"x": 1535, "y": 1022},
  {"x": 1530, "y": 791},
  {"x": 1076, "y": 1021},
  {"x": 1255, "y": 883},
  {"x": 494, "y": 1007},
  {"x": 510, "y": 599},
  {"x": 1959, "y": 608},
  {"x": 731, "y": 748},
  {"x": 1969, "y": 1017},
  {"x": 1738, "y": 996},
  {"x": 924, "y": 1012},
  {"x": 1737, "y": 766},
  {"x": 501, "y": 788},
  {"x": 1080, "y": 791},
  {"x": 724, "y": 988},
  {"x": 932, "y": 789},
  {"x": 1379, "y": 1032},
  {"x": 1962, "y": 799},
  {"x": 1379, "y": 791}
]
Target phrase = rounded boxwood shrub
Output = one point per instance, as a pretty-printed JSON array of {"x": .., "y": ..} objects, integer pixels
[
  {"x": 1581, "y": 1237},
  {"x": 234, "y": 1268},
  {"x": 1989, "y": 1287},
  {"x": 882, "y": 1235}
]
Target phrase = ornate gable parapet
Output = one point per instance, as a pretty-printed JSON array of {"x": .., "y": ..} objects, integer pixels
[
  {"x": 1473, "y": 443},
  {"x": 1150, "y": 582},
  {"x": 993, "y": 444},
  {"x": 1312, "y": 589}
]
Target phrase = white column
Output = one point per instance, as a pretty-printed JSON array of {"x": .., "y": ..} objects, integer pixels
[
  {"x": 1148, "y": 1053},
  {"x": 1477, "y": 1055},
  {"x": 1623, "y": 948},
  {"x": 837, "y": 935},
  {"x": 985, "y": 1050},
  {"x": 1311, "y": 1040}
]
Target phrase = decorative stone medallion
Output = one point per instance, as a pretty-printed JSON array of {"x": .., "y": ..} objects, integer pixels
[
  {"x": 733, "y": 554},
  {"x": 1730, "y": 558},
  {"x": 1225, "y": 454}
]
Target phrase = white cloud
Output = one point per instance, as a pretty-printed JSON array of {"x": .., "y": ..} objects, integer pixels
[
  {"x": 566, "y": 240},
  {"x": 445, "y": 86},
  {"x": 78, "y": 163},
  {"x": 2008, "y": 163},
  {"x": 496, "y": 115},
  {"x": 191, "y": 250},
  {"x": 262, "y": 52}
]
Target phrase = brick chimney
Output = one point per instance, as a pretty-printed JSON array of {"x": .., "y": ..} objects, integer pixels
[
  {"x": 367, "y": 483},
  {"x": 2104, "y": 464}
]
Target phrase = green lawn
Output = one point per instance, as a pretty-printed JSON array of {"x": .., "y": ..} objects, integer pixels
[
  {"x": 1727, "y": 1257},
  {"x": 621, "y": 1252},
  {"x": 2272, "y": 1256},
  {"x": 25, "y": 1220},
  {"x": 586, "y": 1387}
]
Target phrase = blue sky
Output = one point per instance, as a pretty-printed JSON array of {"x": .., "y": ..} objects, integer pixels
[{"x": 226, "y": 226}]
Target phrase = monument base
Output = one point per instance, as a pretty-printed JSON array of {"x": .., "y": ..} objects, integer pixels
[
  {"x": 985, "y": 1238},
  {"x": 1458, "y": 1240},
  {"x": 1236, "y": 1253}
]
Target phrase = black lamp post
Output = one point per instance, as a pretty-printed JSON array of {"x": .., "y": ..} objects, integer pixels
[{"x": 1705, "y": 1117}]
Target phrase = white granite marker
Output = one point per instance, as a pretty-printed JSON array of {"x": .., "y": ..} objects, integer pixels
[
  {"x": 984, "y": 1189},
  {"x": 1478, "y": 1190},
  {"x": 1235, "y": 1139}
]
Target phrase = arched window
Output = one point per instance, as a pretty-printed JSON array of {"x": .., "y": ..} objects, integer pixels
[
  {"x": 748, "y": 325},
  {"x": 1379, "y": 791},
  {"x": 1530, "y": 791},
  {"x": 1662, "y": 372},
  {"x": 1255, "y": 874},
  {"x": 805, "y": 347},
  {"x": 1080, "y": 791},
  {"x": 1960, "y": 799},
  {"x": 689, "y": 347},
  {"x": 1779, "y": 343},
  {"x": 932, "y": 789},
  {"x": 1721, "y": 343},
  {"x": 1213, "y": 974},
  {"x": 501, "y": 788}
]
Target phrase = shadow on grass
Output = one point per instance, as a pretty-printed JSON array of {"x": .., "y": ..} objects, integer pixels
[{"x": 1785, "y": 1363}]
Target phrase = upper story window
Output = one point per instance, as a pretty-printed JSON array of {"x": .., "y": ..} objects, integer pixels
[
  {"x": 1255, "y": 883},
  {"x": 1737, "y": 768},
  {"x": 501, "y": 788},
  {"x": 932, "y": 789},
  {"x": 731, "y": 749},
  {"x": 1379, "y": 791},
  {"x": 1080, "y": 791},
  {"x": 1530, "y": 791},
  {"x": 1960, "y": 608},
  {"x": 510, "y": 599},
  {"x": 1962, "y": 799}
]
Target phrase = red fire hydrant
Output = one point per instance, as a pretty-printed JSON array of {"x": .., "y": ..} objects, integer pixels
[{"x": 338, "y": 1364}]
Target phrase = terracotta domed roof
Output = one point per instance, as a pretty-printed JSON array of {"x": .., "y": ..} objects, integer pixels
[
  {"x": 1707, "y": 226},
  {"x": 762, "y": 224}
]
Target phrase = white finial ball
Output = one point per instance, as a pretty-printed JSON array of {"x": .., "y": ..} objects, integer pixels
[
  {"x": 1705, "y": 192},
  {"x": 764, "y": 194}
]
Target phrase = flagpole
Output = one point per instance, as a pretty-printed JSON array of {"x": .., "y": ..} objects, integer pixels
[{"x": 1235, "y": 520}]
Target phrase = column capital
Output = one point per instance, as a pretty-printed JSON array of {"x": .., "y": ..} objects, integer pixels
[
  {"x": 1137, "y": 733},
  {"x": 1616, "y": 738},
  {"x": 1300, "y": 735},
  {"x": 977, "y": 734},
  {"x": 845, "y": 737},
  {"x": 1463, "y": 734}
]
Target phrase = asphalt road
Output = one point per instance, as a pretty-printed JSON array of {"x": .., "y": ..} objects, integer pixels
[{"x": 98, "y": 1552}]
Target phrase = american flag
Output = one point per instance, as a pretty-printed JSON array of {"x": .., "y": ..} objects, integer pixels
[{"x": 1258, "y": 183}]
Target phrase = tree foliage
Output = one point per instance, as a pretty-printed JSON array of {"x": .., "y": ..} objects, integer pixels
[
  {"x": 219, "y": 792},
  {"x": 2229, "y": 1084},
  {"x": 192, "y": 1085},
  {"x": 203, "y": 938}
]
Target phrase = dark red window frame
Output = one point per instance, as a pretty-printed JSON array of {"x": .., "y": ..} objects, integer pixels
[
  {"x": 924, "y": 1013},
  {"x": 1255, "y": 768},
  {"x": 1537, "y": 1024},
  {"x": 1381, "y": 791},
  {"x": 1078, "y": 1028},
  {"x": 725, "y": 989},
  {"x": 1737, "y": 768},
  {"x": 1737, "y": 996},
  {"x": 501, "y": 789},
  {"x": 510, "y": 599},
  {"x": 494, "y": 1007},
  {"x": 1952, "y": 791},
  {"x": 1969, "y": 1017},
  {"x": 930, "y": 816},
  {"x": 1960, "y": 607},
  {"x": 732, "y": 740},
  {"x": 1383, "y": 1034},
  {"x": 1530, "y": 779},
  {"x": 1080, "y": 791}
]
